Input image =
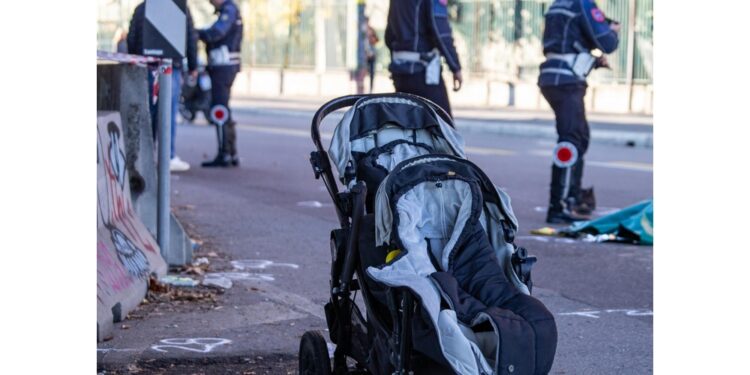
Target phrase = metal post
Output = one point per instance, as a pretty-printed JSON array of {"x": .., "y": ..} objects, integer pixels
[
  {"x": 630, "y": 72},
  {"x": 320, "y": 43},
  {"x": 165, "y": 134}
]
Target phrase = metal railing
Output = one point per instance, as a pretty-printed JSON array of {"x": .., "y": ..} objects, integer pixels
[{"x": 498, "y": 39}]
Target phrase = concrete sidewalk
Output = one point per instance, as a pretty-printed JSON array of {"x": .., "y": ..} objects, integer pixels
[{"x": 626, "y": 130}]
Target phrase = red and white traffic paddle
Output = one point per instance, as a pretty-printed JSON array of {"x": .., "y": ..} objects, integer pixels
[
  {"x": 565, "y": 154},
  {"x": 219, "y": 114}
]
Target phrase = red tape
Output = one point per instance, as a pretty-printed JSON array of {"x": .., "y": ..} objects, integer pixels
[{"x": 127, "y": 58}]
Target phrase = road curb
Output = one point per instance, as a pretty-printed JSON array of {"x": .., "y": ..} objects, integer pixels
[{"x": 599, "y": 136}]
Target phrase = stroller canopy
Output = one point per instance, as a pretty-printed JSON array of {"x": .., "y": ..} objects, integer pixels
[{"x": 403, "y": 126}]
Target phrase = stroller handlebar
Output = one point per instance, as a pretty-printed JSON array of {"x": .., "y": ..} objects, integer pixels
[{"x": 350, "y": 100}]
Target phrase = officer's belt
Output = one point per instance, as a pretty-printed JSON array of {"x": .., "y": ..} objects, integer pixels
[
  {"x": 567, "y": 57},
  {"x": 580, "y": 64},
  {"x": 413, "y": 56},
  {"x": 233, "y": 58}
]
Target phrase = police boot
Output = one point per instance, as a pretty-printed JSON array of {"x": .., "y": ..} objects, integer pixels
[
  {"x": 561, "y": 207},
  {"x": 576, "y": 196},
  {"x": 231, "y": 142},
  {"x": 222, "y": 159}
]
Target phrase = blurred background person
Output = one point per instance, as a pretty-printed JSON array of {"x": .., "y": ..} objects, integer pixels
[
  {"x": 370, "y": 51},
  {"x": 120, "y": 40},
  {"x": 135, "y": 46}
]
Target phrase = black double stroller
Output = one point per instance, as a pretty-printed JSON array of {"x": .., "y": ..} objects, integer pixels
[{"x": 426, "y": 240}]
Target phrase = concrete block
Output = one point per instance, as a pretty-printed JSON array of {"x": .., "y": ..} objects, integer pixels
[
  {"x": 528, "y": 96},
  {"x": 610, "y": 98},
  {"x": 126, "y": 252},
  {"x": 473, "y": 93},
  {"x": 123, "y": 88},
  {"x": 499, "y": 94},
  {"x": 302, "y": 83},
  {"x": 264, "y": 81},
  {"x": 181, "y": 252}
]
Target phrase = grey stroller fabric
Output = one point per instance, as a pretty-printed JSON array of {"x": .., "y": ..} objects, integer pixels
[
  {"x": 376, "y": 122},
  {"x": 434, "y": 208}
]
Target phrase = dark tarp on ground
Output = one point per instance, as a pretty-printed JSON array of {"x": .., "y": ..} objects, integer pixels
[{"x": 634, "y": 223}]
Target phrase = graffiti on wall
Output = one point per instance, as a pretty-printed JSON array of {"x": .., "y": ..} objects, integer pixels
[{"x": 127, "y": 253}]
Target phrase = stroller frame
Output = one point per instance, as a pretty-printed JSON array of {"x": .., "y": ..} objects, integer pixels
[
  {"x": 344, "y": 320},
  {"x": 345, "y": 265}
]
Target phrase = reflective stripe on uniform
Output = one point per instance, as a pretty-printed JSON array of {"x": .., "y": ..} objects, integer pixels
[
  {"x": 563, "y": 12},
  {"x": 406, "y": 56},
  {"x": 557, "y": 71}
]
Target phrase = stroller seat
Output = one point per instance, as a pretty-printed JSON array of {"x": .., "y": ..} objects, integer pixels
[
  {"x": 456, "y": 298},
  {"x": 431, "y": 208}
]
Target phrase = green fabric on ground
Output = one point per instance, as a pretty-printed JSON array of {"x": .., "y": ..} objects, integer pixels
[{"x": 635, "y": 222}]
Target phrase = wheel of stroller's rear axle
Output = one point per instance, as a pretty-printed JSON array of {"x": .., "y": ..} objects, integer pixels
[{"x": 313, "y": 355}]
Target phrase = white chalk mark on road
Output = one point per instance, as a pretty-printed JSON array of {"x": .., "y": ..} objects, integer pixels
[
  {"x": 595, "y": 313},
  {"x": 600, "y": 211},
  {"x": 243, "y": 276},
  {"x": 198, "y": 345},
  {"x": 107, "y": 350},
  {"x": 259, "y": 264},
  {"x": 489, "y": 151},
  {"x": 314, "y": 204},
  {"x": 629, "y": 165},
  {"x": 547, "y": 239}
]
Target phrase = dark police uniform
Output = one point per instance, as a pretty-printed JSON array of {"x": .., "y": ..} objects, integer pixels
[
  {"x": 572, "y": 29},
  {"x": 223, "y": 41},
  {"x": 417, "y": 34}
]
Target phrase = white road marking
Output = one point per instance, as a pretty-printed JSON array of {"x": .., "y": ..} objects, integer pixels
[
  {"x": 313, "y": 204},
  {"x": 600, "y": 211},
  {"x": 547, "y": 239},
  {"x": 243, "y": 276},
  {"x": 488, "y": 151},
  {"x": 204, "y": 345},
  {"x": 595, "y": 313},
  {"x": 259, "y": 264},
  {"x": 628, "y": 165}
]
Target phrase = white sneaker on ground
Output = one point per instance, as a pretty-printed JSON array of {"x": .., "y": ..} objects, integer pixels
[{"x": 178, "y": 165}]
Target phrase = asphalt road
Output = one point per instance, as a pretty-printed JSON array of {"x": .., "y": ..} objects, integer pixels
[{"x": 272, "y": 218}]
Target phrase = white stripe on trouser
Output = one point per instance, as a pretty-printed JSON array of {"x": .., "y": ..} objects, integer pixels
[{"x": 566, "y": 188}]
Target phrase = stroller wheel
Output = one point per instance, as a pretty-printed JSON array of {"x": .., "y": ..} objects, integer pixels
[{"x": 313, "y": 355}]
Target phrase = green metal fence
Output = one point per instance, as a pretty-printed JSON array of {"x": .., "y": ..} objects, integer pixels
[{"x": 498, "y": 39}]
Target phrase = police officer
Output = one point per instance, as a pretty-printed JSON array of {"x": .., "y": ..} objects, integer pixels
[
  {"x": 223, "y": 40},
  {"x": 418, "y": 35},
  {"x": 573, "y": 28}
]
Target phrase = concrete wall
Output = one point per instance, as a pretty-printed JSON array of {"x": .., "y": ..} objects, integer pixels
[
  {"x": 126, "y": 252},
  {"x": 123, "y": 88},
  {"x": 477, "y": 91}
]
